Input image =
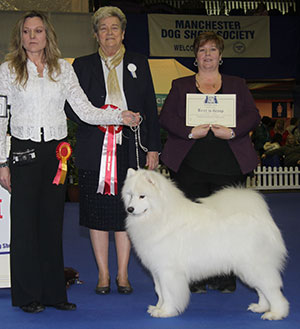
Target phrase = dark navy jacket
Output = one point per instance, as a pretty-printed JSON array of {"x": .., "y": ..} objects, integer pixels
[{"x": 140, "y": 97}]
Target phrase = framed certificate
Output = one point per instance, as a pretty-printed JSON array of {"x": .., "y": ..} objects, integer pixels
[
  {"x": 211, "y": 109},
  {"x": 3, "y": 106}
]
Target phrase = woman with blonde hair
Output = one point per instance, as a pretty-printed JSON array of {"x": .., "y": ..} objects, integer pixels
[
  {"x": 37, "y": 83},
  {"x": 279, "y": 128}
]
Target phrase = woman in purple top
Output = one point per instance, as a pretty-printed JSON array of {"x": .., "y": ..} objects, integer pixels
[{"x": 205, "y": 158}]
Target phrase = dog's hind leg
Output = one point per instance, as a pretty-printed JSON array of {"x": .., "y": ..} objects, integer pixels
[
  {"x": 269, "y": 291},
  {"x": 279, "y": 306},
  {"x": 174, "y": 294},
  {"x": 262, "y": 306}
]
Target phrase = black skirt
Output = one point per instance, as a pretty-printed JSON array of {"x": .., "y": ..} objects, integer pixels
[{"x": 99, "y": 211}]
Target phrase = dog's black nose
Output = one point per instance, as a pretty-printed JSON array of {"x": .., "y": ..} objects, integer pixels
[{"x": 130, "y": 209}]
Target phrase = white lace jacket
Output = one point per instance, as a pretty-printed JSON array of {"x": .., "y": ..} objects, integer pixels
[{"x": 41, "y": 105}]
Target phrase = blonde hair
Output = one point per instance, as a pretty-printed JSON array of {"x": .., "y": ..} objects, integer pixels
[
  {"x": 279, "y": 125},
  {"x": 108, "y": 11},
  {"x": 17, "y": 57}
]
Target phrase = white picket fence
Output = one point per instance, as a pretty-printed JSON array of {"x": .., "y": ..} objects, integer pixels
[
  {"x": 274, "y": 178},
  {"x": 267, "y": 178}
]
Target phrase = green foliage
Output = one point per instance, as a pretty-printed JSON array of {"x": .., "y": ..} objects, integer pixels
[{"x": 72, "y": 170}]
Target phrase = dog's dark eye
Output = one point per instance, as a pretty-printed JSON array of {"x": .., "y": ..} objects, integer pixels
[{"x": 142, "y": 196}]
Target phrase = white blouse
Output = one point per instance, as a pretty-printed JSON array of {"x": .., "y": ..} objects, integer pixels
[{"x": 41, "y": 105}]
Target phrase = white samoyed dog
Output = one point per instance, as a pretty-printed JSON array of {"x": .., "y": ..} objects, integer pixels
[{"x": 180, "y": 241}]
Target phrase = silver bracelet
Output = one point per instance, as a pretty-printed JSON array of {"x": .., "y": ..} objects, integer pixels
[
  {"x": 232, "y": 134},
  {"x": 4, "y": 164}
]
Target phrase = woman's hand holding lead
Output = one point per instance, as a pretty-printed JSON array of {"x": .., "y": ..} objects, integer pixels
[
  {"x": 152, "y": 160},
  {"x": 130, "y": 118}
]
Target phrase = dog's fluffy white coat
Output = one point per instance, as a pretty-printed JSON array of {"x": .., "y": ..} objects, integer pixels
[{"x": 180, "y": 241}]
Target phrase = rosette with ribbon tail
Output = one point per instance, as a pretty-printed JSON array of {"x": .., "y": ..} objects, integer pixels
[
  {"x": 63, "y": 153},
  {"x": 108, "y": 181}
]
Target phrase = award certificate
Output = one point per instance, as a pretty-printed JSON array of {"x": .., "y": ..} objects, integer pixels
[{"x": 211, "y": 109}]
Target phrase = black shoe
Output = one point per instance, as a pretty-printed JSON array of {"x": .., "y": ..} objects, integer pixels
[
  {"x": 103, "y": 290},
  {"x": 33, "y": 307},
  {"x": 126, "y": 290},
  {"x": 65, "y": 306},
  {"x": 227, "y": 284},
  {"x": 198, "y": 287},
  {"x": 227, "y": 290}
]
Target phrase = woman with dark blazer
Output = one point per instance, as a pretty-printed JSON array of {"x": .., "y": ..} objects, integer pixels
[
  {"x": 118, "y": 77},
  {"x": 205, "y": 158}
]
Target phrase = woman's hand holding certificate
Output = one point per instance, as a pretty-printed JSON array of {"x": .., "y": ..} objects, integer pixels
[
  {"x": 219, "y": 131},
  {"x": 200, "y": 131},
  {"x": 222, "y": 132}
]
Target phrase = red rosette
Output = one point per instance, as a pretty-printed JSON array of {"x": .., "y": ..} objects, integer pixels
[{"x": 63, "y": 153}]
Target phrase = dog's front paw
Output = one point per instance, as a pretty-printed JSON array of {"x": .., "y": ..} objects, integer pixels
[
  {"x": 155, "y": 311},
  {"x": 256, "y": 308},
  {"x": 272, "y": 316},
  {"x": 160, "y": 312},
  {"x": 151, "y": 308}
]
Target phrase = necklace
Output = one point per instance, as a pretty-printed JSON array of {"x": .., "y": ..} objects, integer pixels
[
  {"x": 213, "y": 85},
  {"x": 39, "y": 69}
]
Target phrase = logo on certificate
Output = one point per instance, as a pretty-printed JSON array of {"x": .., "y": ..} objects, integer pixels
[{"x": 210, "y": 100}]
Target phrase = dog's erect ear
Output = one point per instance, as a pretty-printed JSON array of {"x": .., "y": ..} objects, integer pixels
[
  {"x": 149, "y": 176},
  {"x": 130, "y": 172}
]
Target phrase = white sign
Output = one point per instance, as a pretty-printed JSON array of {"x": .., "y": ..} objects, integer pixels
[
  {"x": 244, "y": 36},
  {"x": 4, "y": 238}
]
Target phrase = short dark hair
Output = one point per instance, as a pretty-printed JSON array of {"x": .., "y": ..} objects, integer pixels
[{"x": 204, "y": 37}]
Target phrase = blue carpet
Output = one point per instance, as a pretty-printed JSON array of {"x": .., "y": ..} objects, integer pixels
[{"x": 208, "y": 311}]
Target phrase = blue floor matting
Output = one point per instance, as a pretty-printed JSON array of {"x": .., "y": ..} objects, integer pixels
[{"x": 212, "y": 310}]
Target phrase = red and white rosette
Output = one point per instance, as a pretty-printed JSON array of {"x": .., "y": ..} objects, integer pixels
[
  {"x": 108, "y": 181},
  {"x": 63, "y": 153}
]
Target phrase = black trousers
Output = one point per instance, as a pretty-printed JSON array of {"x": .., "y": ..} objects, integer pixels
[
  {"x": 37, "y": 209},
  {"x": 197, "y": 184}
]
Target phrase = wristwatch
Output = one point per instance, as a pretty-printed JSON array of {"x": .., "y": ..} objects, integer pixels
[
  {"x": 4, "y": 164},
  {"x": 190, "y": 136}
]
